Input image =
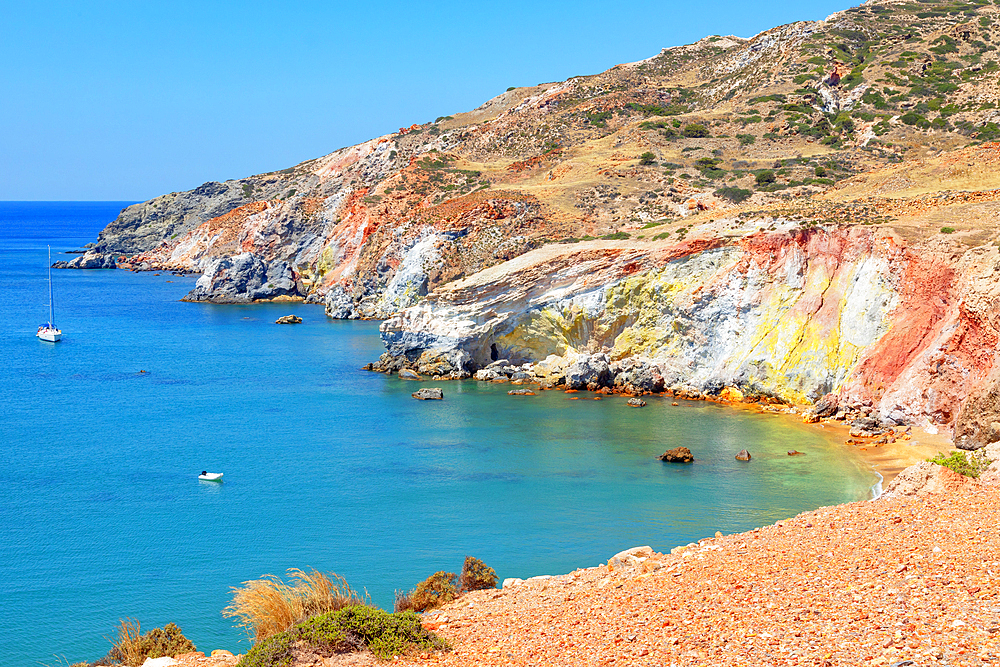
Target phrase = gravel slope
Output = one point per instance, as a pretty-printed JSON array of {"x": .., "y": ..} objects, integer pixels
[{"x": 883, "y": 582}]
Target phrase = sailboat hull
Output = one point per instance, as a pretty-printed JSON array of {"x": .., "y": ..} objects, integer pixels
[{"x": 52, "y": 336}]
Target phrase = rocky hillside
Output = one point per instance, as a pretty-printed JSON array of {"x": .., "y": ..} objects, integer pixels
[{"x": 810, "y": 211}]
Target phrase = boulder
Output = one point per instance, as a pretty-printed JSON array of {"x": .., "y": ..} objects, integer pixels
[
  {"x": 244, "y": 278},
  {"x": 677, "y": 455},
  {"x": 520, "y": 392},
  {"x": 165, "y": 661},
  {"x": 636, "y": 403},
  {"x": 731, "y": 394},
  {"x": 339, "y": 304},
  {"x": 407, "y": 374},
  {"x": 826, "y": 406},
  {"x": 636, "y": 377},
  {"x": 89, "y": 260},
  {"x": 289, "y": 319},
  {"x": 589, "y": 369},
  {"x": 451, "y": 363},
  {"x": 810, "y": 417},
  {"x": 924, "y": 478},
  {"x": 795, "y": 452},
  {"x": 978, "y": 422},
  {"x": 743, "y": 455},
  {"x": 429, "y": 394},
  {"x": 487, "y": 374},
  {"x": 866, "y": 424},
  {"x": 629, "y": 559}
]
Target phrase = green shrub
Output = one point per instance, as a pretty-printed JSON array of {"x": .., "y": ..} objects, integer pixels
[
  {"x": 132, "y": 648},
  {"x": 477, "y": 575},
  {"x": 970, "y": 465},
  {"x": 695, "y": 131},
  {"x": 511, "y": 88},
  {"x": 947, "y": 230},
  {"x": 766, "y": 176},
  {"x": 434, "y": 591},
  {"x": 746, "y": 139},
  {"x": 647, "y": 159},
  {"x": 616, "y": 236},
  {"x": 347, "y": 630},
  {"x": 735, "y": 195}
]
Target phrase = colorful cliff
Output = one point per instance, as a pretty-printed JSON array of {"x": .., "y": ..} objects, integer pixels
[{"x": 809, "y": 211}]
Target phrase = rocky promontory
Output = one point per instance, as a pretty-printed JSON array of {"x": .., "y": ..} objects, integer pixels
[{"x": 814, "y": 218}]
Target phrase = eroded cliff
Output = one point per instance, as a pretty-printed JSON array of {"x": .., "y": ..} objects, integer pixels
[{"x": 810, "y": 211}]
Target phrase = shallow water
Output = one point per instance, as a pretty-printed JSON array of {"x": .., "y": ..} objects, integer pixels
[{"x": 326, "y": 466}]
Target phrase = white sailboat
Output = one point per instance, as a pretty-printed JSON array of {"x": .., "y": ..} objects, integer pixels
[{"x": 49, "y": 332}]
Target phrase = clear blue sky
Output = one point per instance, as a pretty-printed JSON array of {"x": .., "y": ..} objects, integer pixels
[{"x": 128, "y": 100}]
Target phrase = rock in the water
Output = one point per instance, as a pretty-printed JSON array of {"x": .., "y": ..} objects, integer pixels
[
  {"x": 677, "y": 455},
  {"x": 636, "y": 402},
  {"x": 795, "y": 452},
  {"x": 810, "y": 417},
  {"x": 589, "y": 369},
  {"x": 407, "y": 374},
  {"x": 243, "y": 279},
  {"x": 520, "y": 392},
  {"x": 635, "y": 376},
  {"x": 289, "y": 319},
  {"x": 744, "y": 455},
  {"x": 429, "y": 394},
  {"x": 88, "y": 260}
]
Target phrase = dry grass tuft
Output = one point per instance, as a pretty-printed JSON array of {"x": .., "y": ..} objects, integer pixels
[
  {"x": 268, "y": 605},
  {"x": 128, "y": 645}
]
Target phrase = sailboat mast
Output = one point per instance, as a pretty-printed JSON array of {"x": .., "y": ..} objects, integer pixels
[{"x": 52, "y": 319}]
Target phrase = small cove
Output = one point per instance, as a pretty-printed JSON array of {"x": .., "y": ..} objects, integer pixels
[{"x": 326, "y": 466}]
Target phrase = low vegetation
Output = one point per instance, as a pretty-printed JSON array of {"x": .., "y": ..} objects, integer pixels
[
  {"x": 268, "y": 606},
  {"x": 443, "y": 587},
  {"x": 970, "y": 464},
  {"x": 131, "y": 647},
  {"x": 350, "y": 629}
]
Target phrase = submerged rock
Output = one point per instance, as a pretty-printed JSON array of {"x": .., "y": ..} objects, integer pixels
[
  {"x": 429, "y": 394},
  {"x": 520, "y": 392},
  {"x": 677, "y": 455}
]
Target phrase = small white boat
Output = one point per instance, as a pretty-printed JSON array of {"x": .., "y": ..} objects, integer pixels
[
  {"x": 48, "y": 331},
  {"x": 210, "y": 476}
]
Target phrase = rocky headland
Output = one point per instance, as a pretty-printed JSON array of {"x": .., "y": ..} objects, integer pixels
[{"x": 806, "y": 215}]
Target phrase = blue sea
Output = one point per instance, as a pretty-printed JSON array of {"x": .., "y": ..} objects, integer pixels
[{"x": 326, "y": 466}]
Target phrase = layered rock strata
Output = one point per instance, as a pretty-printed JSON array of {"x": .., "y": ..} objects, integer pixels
[{"x": 855, "y": 315}]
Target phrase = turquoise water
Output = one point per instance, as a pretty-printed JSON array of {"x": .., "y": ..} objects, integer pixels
[{"x": 326, "y": 466}]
